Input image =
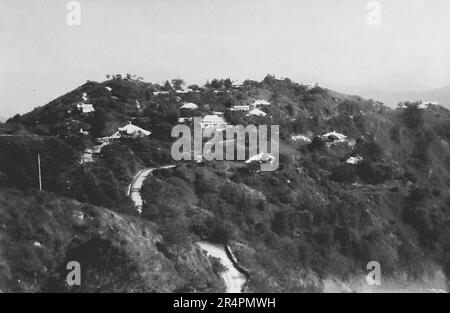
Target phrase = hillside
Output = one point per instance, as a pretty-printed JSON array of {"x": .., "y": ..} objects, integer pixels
[
  {"x": 331, "y": 207},
  {"x": 41, "y": 233}
]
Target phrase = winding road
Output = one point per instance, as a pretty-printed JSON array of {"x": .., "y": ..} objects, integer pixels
[
  {"x": 234, "y": 279},
  {"x": 134, "y": 189}
]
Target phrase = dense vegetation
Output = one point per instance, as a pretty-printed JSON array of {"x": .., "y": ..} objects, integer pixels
[{"x": 316, "y": 217}]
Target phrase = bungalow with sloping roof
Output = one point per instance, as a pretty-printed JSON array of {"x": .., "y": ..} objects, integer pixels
[
  {"x": 130, "y": 131},
  {"x": 256, "y": 112},
  {"x": 263, "y": 157},
  {"x": 189, "y": 106},
  {"x": 301, "y": 137},
  {"x": 334, "y": 137}
]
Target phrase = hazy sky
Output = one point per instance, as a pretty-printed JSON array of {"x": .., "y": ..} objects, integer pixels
[{"x": 325, "y": 41}]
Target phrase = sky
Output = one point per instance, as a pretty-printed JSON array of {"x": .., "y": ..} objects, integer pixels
[{"x": 324, "y": 41}]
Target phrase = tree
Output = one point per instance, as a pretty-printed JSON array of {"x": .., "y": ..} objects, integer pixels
[
  {"x": 178, "y": 83},
  {"x": 413, "y": 116},
  {"x": 98, "y": 123},
  {"x": 317, "y": 144},
  {"x": 175, "y": 232},
  {"x": 216, "y": 83},
  {"x": 228, "y": 83},
  {"x": 194, "y": 87},
  {"x": 167, "y": 86}
]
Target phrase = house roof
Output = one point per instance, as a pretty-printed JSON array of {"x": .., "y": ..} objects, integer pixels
[
  {"x": 184, "y": 119},
  {"x": 261, "y": 102},
  {"x": 189, "y": 105},
  {"x": 256, "y": 112},
  {"x": 240, "y": 108},
  {"x": 85, "y": 105},
  {"x": 262, "y": 157},
  {"x": 301, "y": 137},
  {"x": 335, "y": 134},
  {"x": 213, "y": 119},
  {"x": 130, "y": 129},
  {"x": 354, "y": 160}
]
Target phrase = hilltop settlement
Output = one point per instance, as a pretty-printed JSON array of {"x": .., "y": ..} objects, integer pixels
[{"x": 356, "y": 181}]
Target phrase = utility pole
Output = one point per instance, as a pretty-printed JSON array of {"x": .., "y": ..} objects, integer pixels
[{"x": 39, "y": 169}]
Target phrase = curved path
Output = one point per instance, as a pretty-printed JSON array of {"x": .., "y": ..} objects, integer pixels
[
  {"x": 234, "y": 280},
  {"x": 134, "y": 189}
]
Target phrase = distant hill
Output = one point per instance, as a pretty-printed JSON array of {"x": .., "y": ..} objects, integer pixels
[{"x": 441, "y": 95}]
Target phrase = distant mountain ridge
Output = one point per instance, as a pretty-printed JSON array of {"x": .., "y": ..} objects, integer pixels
[{"x": 441, "y": 95}]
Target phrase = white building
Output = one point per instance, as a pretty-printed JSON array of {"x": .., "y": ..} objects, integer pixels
[
  {"x": 189, "y": 106},
  {"x": 184, "y": 119},
  {"x": 237, "y": 83},
  {"x": 84, "y": 132},
  {"x": 426, "y": 104},
  {"x": 188, "y": 90},
  {"x": 354, "y": 160},
  {"x": 214, "y": 121},
  {"x": 85, "y": 108},
  {"x": 86, "y": 157},
  {"x": 261, "y": 102},
  {"x": 240, "y": 108},
  {"x": 256, "y": 112},
  {"x": 263, "y": 157},
  {"x": 301, "y": 137},
  {"x": 334, "y": 137},
  {"x": 130, "y": 131},
  {"x": 157, "y": 93}
]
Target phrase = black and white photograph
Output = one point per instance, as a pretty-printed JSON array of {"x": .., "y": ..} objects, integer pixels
[{"x": 224, "y": 153}]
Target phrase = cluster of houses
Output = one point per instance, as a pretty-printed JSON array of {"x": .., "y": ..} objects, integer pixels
[
  {"x": 252, "y": 109},
  {"x": 330, "y": 138},
  {"x": 422, "y": 104},
  {"x": 217, "y": 121},
  {"x": 181, "y": 91},
  {"x": 128, "y": 131}
]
